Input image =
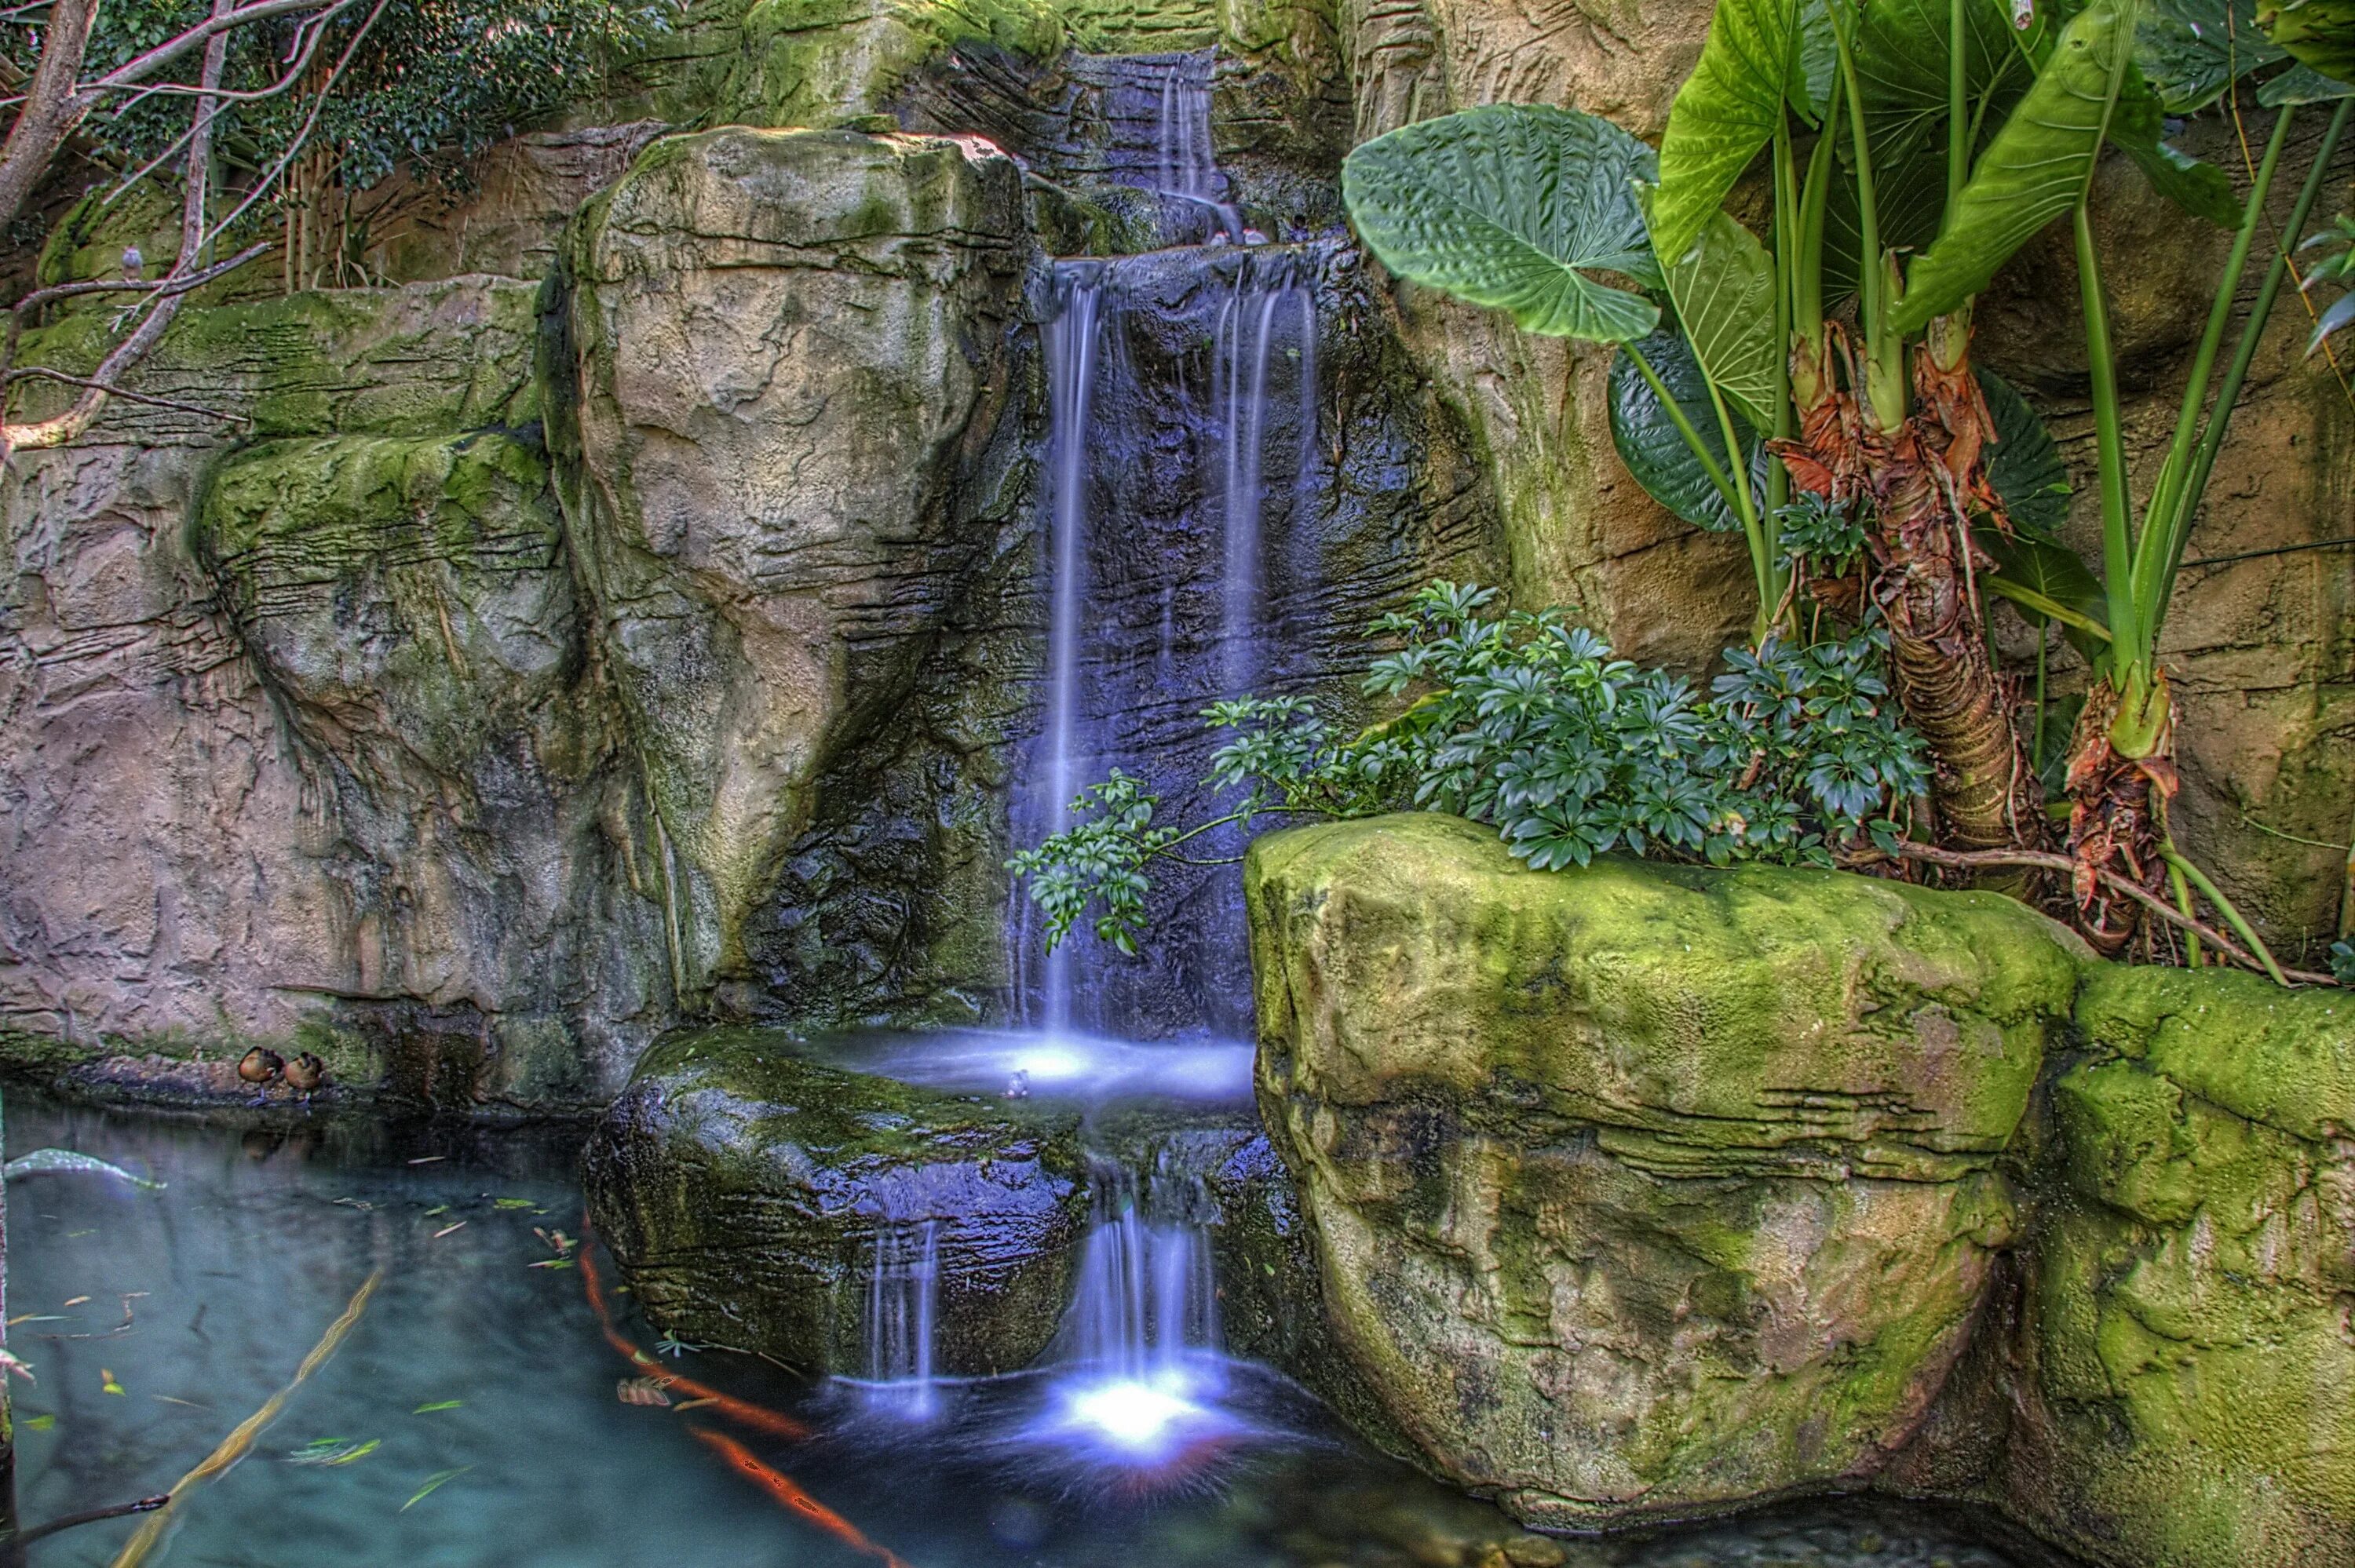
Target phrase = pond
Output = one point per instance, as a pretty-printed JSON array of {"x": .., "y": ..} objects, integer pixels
[{"x": 473, "y": 1416}]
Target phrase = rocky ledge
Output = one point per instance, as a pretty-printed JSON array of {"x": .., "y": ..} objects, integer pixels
[{"x": 1648, "y": 1191}]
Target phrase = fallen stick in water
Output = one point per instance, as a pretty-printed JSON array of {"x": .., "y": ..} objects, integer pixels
[
  {"x": 12, "y": 1551},
  {"x": 782, "y": 1488},
  {"x": 235, "y": 1446}
]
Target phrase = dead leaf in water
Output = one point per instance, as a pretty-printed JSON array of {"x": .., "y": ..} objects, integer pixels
[
  {"x": 641, "y": 1391},
  {"x": 110, "y": 1385},
  {"x": 433, "y": 1481}
]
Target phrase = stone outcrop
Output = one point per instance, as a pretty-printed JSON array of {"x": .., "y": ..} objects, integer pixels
[
  {"x": 1643, "y": 1190},
  {"x": 2169, "y": 1379},
  {"x": 782, "y": 377},
  {"x": 744, "y": 1191},
  {"x": 294, "y": 732},
  {"x": 1646, "y": 1190}
]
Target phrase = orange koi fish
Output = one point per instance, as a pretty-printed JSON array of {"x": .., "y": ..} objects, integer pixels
[
  {"x": 758, "y": 1417},
  {"x": 782, "y": 1488}
]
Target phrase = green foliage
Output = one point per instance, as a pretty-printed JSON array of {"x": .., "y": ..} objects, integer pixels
[
  {"x": 1750, "y": 65},
  {"x": 1529, "y": 724},
  {"x": 1655, "y": 447},
  {"x": 2317, "y": 33},
  {"x": 2034, "y": 171},
  {"x": 1513, "y": 206},
  {"x": 2334, "y": 266},
  {"x": 432, "y": 83},
  {"x": 1723, "y": 286}
]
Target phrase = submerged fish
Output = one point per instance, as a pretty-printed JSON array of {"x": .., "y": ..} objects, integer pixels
[{"x": 66, "y": 1161}]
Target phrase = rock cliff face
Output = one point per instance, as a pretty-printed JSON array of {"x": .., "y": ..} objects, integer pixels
[
  {"x": 1641, "y": 1190},
  {"x": 784, "y": 380},
  {"x": 294, "y": 733}
]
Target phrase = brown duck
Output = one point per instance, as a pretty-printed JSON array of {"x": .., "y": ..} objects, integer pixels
[
  {"x": 306, "y": 1073},
  {"x": 261, "y": 1066}
]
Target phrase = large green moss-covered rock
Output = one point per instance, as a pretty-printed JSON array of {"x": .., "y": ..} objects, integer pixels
[
  {"x": 1642, "y": 1189},
  {"x": 2186, "y": 1392},
  {"x": 744, "y": 1189}
]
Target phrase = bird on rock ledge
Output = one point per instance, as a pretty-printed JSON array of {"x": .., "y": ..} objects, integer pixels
[{"x": 306, "y": 1073}]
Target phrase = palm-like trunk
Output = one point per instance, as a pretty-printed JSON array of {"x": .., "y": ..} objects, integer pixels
[{"x": 1925, "y": 483}]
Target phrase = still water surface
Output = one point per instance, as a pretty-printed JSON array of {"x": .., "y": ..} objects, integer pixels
[{"x": 158, "y": 1320}]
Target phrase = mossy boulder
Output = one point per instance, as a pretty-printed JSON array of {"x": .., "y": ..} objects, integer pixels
[
  {"x": 2187, "y": 1383},
  {"x": 1642, "y": 1189},
  {"x": 744, "y": 1191}
]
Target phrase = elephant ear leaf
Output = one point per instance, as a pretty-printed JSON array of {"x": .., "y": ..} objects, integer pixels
[
  {"x": 1513, "y": 206},
  {"x": 1654, "y": 450},
  {"x": 1724, "y": 293},
  {"x": 1755, "y": 59},
  {"x": 2191, "y": 50},
  {"x": 2316, "y": 33},
  {"x": 2035, "y": 169},
  {"x": 2024, "y": 465},
  {"x": 2048, "y": 582}
]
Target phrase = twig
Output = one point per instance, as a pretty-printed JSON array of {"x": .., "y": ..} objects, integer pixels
[
  {"x": 170, "y": 286},
  {"x": 12, "y": 1552},
  {"x": 113, "y": 391},
  {"x": 310, "y": 124},
  {"x": 2040, "y": 860},
  {"x": 235, "y": 1446},
  {"x": 2276, "y": 550}
]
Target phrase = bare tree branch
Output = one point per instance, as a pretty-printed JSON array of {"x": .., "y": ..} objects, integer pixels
[
  {"x": 45, "y": 374},
  {"x": 167, "y": 285},
  {"x": 2040, "y": 860},
  {"x": 51, "y": 109},
  {"x": 162, "y": 305},
  {"x": 310, "y": 124},
  {"x": 219, "y": 22}
]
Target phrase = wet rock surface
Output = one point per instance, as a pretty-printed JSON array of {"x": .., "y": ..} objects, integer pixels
[
  {"x": 1641, "y": 1190},
  {"x": 744, "y": 1192}
]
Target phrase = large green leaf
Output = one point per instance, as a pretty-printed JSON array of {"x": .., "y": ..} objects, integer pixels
[
  {"x": 2303, "y": 84},
  {"x": 2138, "y": 128},
  {"x": 1724, "y": 295},
  {"x": 1656, "y": 453},
  {"x": 1750, "y": 64},
  {"x": 2191, "y": 50},
  {"x": 1902, "y": 54},
  {"x": 1513, "y": 206},
  {"x": 2048, "y": 582},
  {"x": 2318, "y": 33},
  {"x": 2024, "y": 465},
  {"x": 2035, "y": 169}
]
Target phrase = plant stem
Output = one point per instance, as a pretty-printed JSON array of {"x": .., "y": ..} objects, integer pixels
[
  {"x": 1676, "y": 413},
  {"x": 1958, "y": 130},
  {"x": 2127, "y": 649},
  {"x": 2160, "y": 519},
  {"x": 2215, "y": 895},
  {"x": 2183, "y": 902},
  {"x": 2036, "y": 739},
  {"x": 2212, "y": 440},
  {"x": 1867, "y": 210}
]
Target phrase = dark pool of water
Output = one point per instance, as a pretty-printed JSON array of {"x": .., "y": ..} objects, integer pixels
[{"x": 156, "y": 1320}]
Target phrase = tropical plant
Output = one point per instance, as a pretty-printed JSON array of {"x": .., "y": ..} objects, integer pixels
[
  {"x": 269, "y": 104},
  {"x": 1820, "y": 361},
  {"x": 1528, "y": 723}
]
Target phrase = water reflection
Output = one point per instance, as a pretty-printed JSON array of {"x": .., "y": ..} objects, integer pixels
[{"x": 480, "y": 1363}]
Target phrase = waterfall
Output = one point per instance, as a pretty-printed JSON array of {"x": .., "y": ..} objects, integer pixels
[
  {"x": 1071, "y": 348},
  {"x": 1185, "y": 165},
  {"x": 1265, "y": 298},
  {"x": 1146, "y": 1297},
  {"x": 903, "y": 1307}
]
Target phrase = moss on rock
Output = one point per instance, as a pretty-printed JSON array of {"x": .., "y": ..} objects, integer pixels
[
  {"x": 2189, "y": 1363},
  {"x": 1642, "y": 1189},
  {"x": 743, "y": 1190}
]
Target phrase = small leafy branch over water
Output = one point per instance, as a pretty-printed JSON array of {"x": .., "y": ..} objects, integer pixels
[{"x": 1529, "y": 724}]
